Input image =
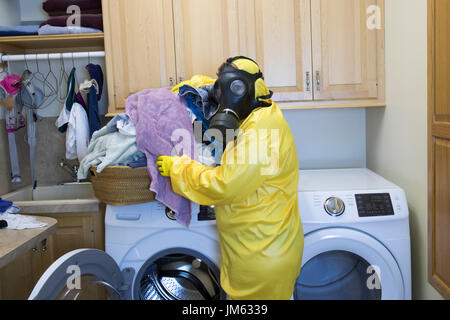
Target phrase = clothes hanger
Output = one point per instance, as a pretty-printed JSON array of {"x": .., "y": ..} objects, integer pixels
[{"x": 62, "y": 81}]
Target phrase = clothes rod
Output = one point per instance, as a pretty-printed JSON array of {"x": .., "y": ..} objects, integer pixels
[{"x": 51, "y": 56}]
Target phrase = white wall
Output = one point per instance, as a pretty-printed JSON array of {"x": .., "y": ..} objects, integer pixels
[
  {"x": 329, "y": 138},
  {"x": 9, "y": 12},
  {"x": 31, "y": 11},
  {"x": 397, "y": 134}
]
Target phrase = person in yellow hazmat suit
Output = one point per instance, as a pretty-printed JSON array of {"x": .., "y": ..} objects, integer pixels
[{"x": 254, "y": 190}]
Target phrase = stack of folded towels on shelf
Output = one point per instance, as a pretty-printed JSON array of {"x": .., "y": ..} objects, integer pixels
[{"x": 61, "y": 22}]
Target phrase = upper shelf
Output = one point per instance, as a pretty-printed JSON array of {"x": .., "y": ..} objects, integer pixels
[{"x": 51, "y": 43}]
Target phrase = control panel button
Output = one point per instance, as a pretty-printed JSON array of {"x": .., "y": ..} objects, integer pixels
[{"x": 334, "y": 206}]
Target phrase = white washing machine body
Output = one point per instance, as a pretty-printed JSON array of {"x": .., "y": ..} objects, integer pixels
[
  {"x": 367, "y": 218},
  {"x": 136, "y": 238}
]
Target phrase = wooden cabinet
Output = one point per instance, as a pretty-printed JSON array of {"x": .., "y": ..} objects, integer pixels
[
  {"x": 139, "y": 46},
  {"x": 345, "y": 46},
  {"x": 439, "y": 146},
  {"x": 77, "y": 231},
  {"x": 308, "y": 49},
  {"x": 205, "y": 35},
  {"x": 17, "y": 279},
  {"x": 277, "y": 34}
]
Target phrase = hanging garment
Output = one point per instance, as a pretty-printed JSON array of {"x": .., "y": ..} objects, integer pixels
[
  {"x": 64, "y": 115},
  {"x": 77, "y": 135},
  {"x": 30, "y": 98},
  {"x": 158, "y": 115},
  {"x": 95, "y": 95},
  {"x": 8, "y": 100}
]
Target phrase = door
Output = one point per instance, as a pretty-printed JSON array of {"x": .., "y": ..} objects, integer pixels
[
  {"x": 277, "y": 34},
  {"x": 439, "y": 146},
  {"x": 78, "y": 275},
  {"x": 139, "y": 47},
  {"x": 206, "y": 34},
  {"x": 347, "y": 264},
  {"x": 346, "y": 43}
]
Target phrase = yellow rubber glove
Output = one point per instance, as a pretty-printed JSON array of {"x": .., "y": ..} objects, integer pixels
[{"x": 164, "y": 164}]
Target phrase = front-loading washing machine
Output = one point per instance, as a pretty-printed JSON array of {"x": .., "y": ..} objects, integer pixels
[
  {"x": 357, "y": 246},
  {"x": 149, "y": 256},
  {"x": 357, "y": 237}
]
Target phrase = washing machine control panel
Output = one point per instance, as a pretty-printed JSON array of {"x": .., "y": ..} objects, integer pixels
[
  {"x": 374, "y": 205},
  {"x": 349, "y": 206}
]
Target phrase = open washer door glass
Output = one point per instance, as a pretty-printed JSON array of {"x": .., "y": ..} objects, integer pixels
[
  {"x": 83, "y": 274},
  {"x": 345, "y": 264}
]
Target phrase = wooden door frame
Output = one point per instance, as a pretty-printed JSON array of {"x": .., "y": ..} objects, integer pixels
[{"x": 433, "y": 280}]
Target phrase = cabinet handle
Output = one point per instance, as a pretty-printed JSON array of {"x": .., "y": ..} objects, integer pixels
[
  {"x": 318, "y": 80},
  {"x": 308, "y": 81},
  {"x": 34, "y": 249},
  {"x": 44, "y": 245},
  {"x": 171, "y": 81},
  {"x": 181, "y": 80}
]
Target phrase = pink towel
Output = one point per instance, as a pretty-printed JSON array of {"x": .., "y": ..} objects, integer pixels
[{"x": 157, "y": 113}]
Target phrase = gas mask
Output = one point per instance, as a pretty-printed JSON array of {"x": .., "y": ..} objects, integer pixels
[{"x": 234, "y": 92}]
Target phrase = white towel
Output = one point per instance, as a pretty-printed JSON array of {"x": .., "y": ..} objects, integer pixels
[{"x": 20, "y": 222}]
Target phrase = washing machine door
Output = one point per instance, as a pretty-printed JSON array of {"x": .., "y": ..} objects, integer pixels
[
  {"x": 81, "y": 274},
  {"x": 345, "y": 264}
]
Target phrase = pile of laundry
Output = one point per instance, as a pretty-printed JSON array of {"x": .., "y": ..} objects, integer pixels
[
  {"x": 158, "y": 122},
  {"x": 64, "y": 19},
  {"x": 10, "y": 219}
]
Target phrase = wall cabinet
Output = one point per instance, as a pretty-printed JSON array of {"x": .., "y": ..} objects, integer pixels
[{"x": 308, "y": 49}]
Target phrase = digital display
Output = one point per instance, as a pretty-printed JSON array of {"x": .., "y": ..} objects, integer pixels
[{"x": 374, "y": 205}]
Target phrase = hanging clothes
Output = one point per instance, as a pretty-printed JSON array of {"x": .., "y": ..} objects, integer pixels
[
  {"x": 77, "y": 135},
  {"x": 8, "y": 88},
  {"x": 63, "y": 119},
  {"x": 94, "y": 96}
]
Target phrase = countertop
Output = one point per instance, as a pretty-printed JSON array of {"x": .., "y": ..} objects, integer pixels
[{"x": 13, "y": 243}]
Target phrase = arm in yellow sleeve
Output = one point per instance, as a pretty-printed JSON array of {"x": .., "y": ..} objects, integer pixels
[{"x": 233, "y": 180}]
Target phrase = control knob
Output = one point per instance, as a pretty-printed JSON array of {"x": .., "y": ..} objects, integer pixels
[{"x": 334, "y": 206}]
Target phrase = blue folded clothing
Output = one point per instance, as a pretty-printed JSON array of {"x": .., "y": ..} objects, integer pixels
[
  {"x": 5, "y": 205},
  {"x": 7, "y": 31},
  {"x": 139, "y": 163}
]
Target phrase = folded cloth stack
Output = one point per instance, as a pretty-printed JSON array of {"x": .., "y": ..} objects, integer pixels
[
  {"x": 6, "y": 31},
  {"x": 90, "y": 19},
  {"x": 112, "y": 145},
  {"x": 59, "y": 7}
]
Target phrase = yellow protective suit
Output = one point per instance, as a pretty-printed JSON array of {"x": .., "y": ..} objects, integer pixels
[{"x": 256, "y": 205}]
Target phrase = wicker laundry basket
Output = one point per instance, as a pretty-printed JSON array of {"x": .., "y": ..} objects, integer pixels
[{"x": 122, "y": 186}]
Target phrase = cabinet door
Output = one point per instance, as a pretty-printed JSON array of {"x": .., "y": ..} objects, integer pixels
[
  {"x": 277, "y": 34},
  {"x": 139, "y": 47},
  {"x": 439, "y": 146},
  {"x": 346, "y": 51},
  {"x": 206, "y": 34},
  {"x": 73, "y": 232}
]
